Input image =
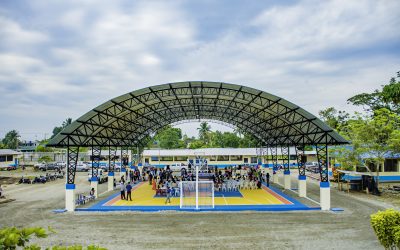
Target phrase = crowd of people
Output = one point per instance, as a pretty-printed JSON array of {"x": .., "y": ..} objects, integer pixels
[{"x": 165, "y": 183}]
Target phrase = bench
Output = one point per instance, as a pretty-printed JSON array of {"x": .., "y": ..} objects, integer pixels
[{"x": 82, "y": 199}]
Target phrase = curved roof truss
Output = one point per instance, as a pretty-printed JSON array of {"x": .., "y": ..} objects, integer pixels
[{"x": 128, "y": 119}]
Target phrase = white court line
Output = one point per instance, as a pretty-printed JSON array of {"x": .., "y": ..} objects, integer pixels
[{"x": 223, "y": 196}]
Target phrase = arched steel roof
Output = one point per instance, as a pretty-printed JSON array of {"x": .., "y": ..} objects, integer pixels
[{"x": 126, "y": 120}]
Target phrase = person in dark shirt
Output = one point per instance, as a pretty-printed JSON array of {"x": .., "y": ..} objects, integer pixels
[
  {"x": 129, "y": 191},
  {"x": 267, "y": 179}
]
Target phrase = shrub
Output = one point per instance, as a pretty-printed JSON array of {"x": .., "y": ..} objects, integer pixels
[
  {"x": 45, "y": 158},
  {"x": 11, "y": 238},
  {"x": 386, "y": 225}
]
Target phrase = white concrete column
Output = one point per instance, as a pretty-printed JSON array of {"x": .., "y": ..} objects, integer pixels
[
  {"x": 94, "y": 183},
  {"x": 70, "y": 197},
  {"x": 325, "y": 195},
  {"x": 110, "y": 181},
  {"x": 287, "y": 181},
  {"x": 302, "y": 186}
]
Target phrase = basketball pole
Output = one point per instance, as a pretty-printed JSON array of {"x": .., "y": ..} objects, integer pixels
[{"x": 197, "y": 186}]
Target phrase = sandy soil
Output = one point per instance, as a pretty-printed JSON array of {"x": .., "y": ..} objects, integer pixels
[{"x": 175, "y": 230}]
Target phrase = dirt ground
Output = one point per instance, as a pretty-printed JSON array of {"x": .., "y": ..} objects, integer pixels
[{"x": 349, "y": 229}]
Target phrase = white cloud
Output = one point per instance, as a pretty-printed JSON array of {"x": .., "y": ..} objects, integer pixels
[
  {"x": 302, "y": 52},
  {"x": 13, "y": 35}
]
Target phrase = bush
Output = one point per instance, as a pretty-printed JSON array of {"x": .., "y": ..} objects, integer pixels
[
  {"x": 45, "y": 158},
  {"x": 386, "y": 225},
  {"x": 11, "y": 238}
]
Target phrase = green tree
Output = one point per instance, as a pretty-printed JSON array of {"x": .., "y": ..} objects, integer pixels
[
  {"x": 388, "y": 97},
  {"x": 335, "y": 119},
  {"x": 170, "y": 138},
  {"x": 248, "y": 141},
  {"x": 57, "y": 130},
  {"x": 204, "y": 130},
  {"x": 197, "y": 144},
  {"x": 11, "y": 139},
  {"x": 231, "y": 140},
  {"x": 373, "y": 137},
  {"x": 216, "y": 139}
]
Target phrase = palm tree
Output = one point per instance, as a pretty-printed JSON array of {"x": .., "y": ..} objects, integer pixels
[
  {"x": 11, "y": 140},
  {"x": 204, "y": 129}
]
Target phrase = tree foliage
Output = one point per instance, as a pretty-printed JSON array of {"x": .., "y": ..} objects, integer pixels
[
  {"x": 169, "y": 138},
  {"x": 57, "y": 130},
  {"x": 334, "y": 118},
  {"x": 14, "y": 238},
  {"x": 11, "y": 139},
  {"x": 388, "y": 98},
  {"x": 204, "y": 132}
]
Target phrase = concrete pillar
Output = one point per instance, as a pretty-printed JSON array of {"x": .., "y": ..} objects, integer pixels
[
  {"x": 94, "y": 183},
  {"x": 70, "y": 197},
  {"x": 287, "y": 180},
  {"x": 110, "y": 181},
  {"x": 302, "y": 186},
  {"x": 325, "y": 195}
]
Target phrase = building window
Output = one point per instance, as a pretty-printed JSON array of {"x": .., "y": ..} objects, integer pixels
[
  {"x": 212, "y": 158},
  {"x": 154, "y": 158},
  {"x": 180, "y": 158},
  {"x": 390, "y": 165},
  {"x": 3, "y": 158},
  {"x": 9, "y": 158},
  {"x": 146, "y": 160},
  {"x": 223, "y": 157},
  {"x": 246, "y": 160},
  {"x": 167, "y": 158},
  {"x": 236, "y": 157},
  {"x": 254, "y": 160}
]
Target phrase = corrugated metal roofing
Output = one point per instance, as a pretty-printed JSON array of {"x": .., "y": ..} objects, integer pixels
[
  {"x": 127, "y": 120},
  {"x": 9, "y": 152}
]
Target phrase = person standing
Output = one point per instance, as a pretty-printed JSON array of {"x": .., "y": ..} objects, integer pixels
[
  {"x": 122, "y": 188},
  {"x": 128, "y": 191},
  {"x": 1, "y": 192},
  {"x": 168, "y": 200},
  {"x": 267, "y": 179}
]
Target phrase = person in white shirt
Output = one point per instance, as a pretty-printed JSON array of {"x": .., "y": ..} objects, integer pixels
[{"x": 122, "y": 188}]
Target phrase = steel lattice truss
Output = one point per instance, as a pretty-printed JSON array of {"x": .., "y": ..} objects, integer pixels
[
  {"x": 72, "y": 160},
  {"x": 129, "y": 119},
  {"x": 124, "y": 157},
  {"x": 96, "y": 154},
  {"x": 322, "y": 155},
  {"x": 285, "y": 158},
  {"x": 112, "y": 155},
  {"x": 300, "y": 160}
]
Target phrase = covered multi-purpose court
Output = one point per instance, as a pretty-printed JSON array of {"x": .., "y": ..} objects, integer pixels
[
  {"x": 126, "y": 122},
  {"x": 144, "y": 199}
]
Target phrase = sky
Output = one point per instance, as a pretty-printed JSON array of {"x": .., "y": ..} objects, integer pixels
[{"x": 60, "y": 59}]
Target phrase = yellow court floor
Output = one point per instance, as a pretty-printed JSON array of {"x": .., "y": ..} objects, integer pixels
[{"x": 143, "y": 195}]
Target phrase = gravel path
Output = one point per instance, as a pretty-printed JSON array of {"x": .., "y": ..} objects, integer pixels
[{"x": 175, "y": 230}]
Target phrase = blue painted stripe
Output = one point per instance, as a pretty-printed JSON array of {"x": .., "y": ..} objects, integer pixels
[
  {"x": 94, "y": 178},
  {"x": 110, "y": 173},
  {"x": 324, "y": 184},
  {"x": 279, "y": 207},
  {"x": 286, "y": 172},
  {"x": 302, "y": 177},
  {"x": 69, "y": 186}
]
